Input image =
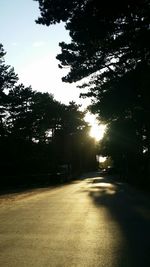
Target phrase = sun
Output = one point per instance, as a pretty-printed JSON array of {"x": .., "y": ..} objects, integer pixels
[{"x": 97, "y": 130}]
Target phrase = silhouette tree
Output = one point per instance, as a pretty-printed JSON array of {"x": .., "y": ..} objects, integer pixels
[
  {"x": 20, "y": 120},
  {"x": 46, "y": 115},
  {"x": 38, "y": 133},
  {"x": 123, "y": 104},
  {"x": 7, "y": 80},
  {"x": 110, "y": 45},
  {"x": 113, "y": 39},
  {"x": 69, "y": 136}
]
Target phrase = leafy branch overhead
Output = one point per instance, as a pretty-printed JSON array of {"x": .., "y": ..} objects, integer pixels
[{"x": 105, "y": 34}]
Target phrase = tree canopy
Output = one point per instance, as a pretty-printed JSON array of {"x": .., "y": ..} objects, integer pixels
[
  {"x": 110, "y": 43},
  {"x": 37, "y": 132},
  {"x": 110, "y": 36}
]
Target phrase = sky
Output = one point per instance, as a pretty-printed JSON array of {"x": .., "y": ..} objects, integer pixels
[{"x": 32, "y": 48}]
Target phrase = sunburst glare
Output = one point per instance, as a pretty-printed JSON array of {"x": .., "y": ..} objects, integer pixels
[{"x": 97, "y": 129}]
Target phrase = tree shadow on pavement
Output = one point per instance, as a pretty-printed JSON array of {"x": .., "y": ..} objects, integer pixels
[{"x": 130, "y": 209}]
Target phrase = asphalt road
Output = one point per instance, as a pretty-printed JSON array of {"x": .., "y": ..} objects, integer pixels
[{"x": 93, "y": 222}]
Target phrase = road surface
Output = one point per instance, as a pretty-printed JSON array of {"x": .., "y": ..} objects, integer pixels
[{"x": 93, "y": 222}]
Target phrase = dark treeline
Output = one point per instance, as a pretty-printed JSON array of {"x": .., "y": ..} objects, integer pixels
[
  {"x": 110, "y": 42},
  {"x": 39, "y": 136}
]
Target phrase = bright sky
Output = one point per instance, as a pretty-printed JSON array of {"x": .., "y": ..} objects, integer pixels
[{"x": 32, "y": 48}]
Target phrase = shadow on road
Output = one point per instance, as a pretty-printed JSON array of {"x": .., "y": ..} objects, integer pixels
[{"x": 131, "y": 210}]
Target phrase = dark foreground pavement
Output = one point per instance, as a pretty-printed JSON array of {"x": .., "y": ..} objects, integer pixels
[{"x": 94, "y": 222}]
